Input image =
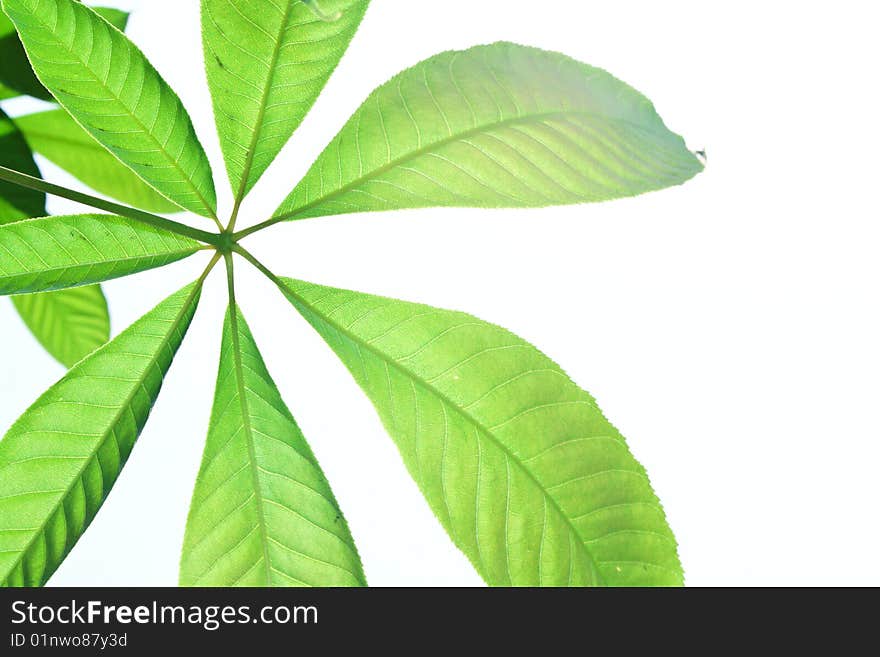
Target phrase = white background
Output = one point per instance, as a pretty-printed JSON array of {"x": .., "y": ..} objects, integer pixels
[{"x": 729, "y": 327}]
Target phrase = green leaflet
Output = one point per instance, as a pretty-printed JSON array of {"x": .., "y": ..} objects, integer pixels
[
  {"x": 52, "y": 253},
  {"x": 61, "y": 140},
  {"x": 60, "y": 459},
  {"x": 281, "y": 524},
  {"x": 530, "y": 480},
  {"x": 70, "y": 324},
  {"x": 17, "y": 202},
  {"x": 110, "y": 88},
  {"x": 494, "y": 126},
  {"x": 266, "y": 64},
  {"x": 16, "y": 75}
]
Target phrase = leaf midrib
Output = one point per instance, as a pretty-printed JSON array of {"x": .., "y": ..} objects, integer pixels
[
  {"x": 90, "y": 265},
  {"x": 418, "y": 152},
  {"x": 264, "y": 99},
  {"x": 249, "y": 438},
  {"x": 468, "y": 416},
  {"x": 136, "y": 119},
  {"x": 41, "y": 529}
]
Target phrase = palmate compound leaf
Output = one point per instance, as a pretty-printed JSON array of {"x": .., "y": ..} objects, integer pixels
[
  {"x": 60, "y": 459},
  {"x": 266, "y": 64},
  {"x": 57, "y": 137},
  {"x": 110, "y": 88},
  {"x": 530, "y": 480},
  {"x": 53, "y": 253},
  {"x": 70, "y": 324},
  {"x": 281, "y": 525},
  {"x": 494, "y": 126},
  {"x": 16, "y": 75}
]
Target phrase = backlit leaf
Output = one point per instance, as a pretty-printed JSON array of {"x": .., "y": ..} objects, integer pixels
[
  {"x": 110, "y": 88},
  {"x": 266, "y": 63},
  {"x": 494, "y": 126},
  {"x": 60, "y": 459},
  {"x": 52, "y": 253},
  {"x": 530, "y": 480},
  {"x": 281, "y": 524},
  {"x": 70, "y": 324}
]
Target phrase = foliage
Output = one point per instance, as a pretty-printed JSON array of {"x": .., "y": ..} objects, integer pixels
[{"x": 520, "y": 466}]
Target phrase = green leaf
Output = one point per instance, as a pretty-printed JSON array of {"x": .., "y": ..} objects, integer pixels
[
  {"x": 60, "y": 139},
  {"x": 281, "y": 524},
  {"x": 266, "y": 65},
  {"x": 52, "y": 253},
  {"x": 494, "y": 126},
  {"x": 530, "y": 480},
  {"x": 17, "y": 202},
  {"x": 60, "y": 459},
  {"x": 16, "y": 75},
  {"x": 70, "y": 324},
  {"x": 110, "y": 88}
]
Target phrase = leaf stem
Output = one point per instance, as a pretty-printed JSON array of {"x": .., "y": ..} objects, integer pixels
[
  {"x": 208, "y": 269},
  {"x": 232, "y": 219},
  {"x": 230, "y": 278},
  {"x": 217, "y": 223},
  {"x": 244, "y": 253},
  {"x": 30, "y": 182},
  {"x": 255, "y": 229},
  {"x": 242, "y": 396}
]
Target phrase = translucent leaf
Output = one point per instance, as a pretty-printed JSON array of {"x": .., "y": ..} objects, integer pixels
[
  {"x": 530, "y": 480},
  {"x": 60, "y": 459},
  {"x": 70, "y": 324},
  {"x": 281, "y": 524},
  {"x": 60, "y": 139},
  {"x": 266, "y": 63},
  {"x": 494, "y": 126},
  {"x": 52, "y": 253},
  {"x": 110, "y": 88}
]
